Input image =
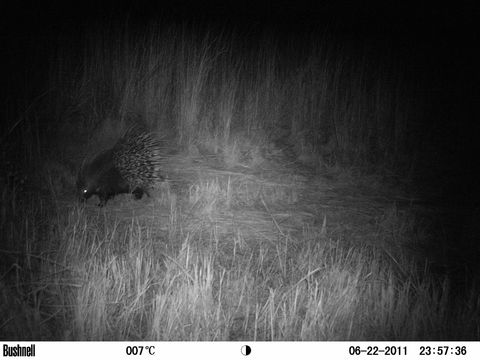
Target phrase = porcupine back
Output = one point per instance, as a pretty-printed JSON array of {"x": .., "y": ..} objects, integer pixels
[{"x": 137, "y": 156}]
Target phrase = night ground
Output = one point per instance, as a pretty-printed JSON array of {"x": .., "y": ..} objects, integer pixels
[{"x": 305, "y": 171}]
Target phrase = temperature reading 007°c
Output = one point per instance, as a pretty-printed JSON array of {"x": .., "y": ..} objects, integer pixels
[{"x": 140, "y": 350}]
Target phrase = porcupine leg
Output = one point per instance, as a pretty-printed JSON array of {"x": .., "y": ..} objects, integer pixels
[
  {"x": 102, "y": 202},
  {"x": 138, "y": 193},
  {"x": 103, "y": 199}
]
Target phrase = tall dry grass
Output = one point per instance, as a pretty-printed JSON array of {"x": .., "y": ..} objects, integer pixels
[{"x": 350, "y": 103}]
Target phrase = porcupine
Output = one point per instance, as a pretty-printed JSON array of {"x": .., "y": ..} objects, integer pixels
[{"x": 131, "y": 166}]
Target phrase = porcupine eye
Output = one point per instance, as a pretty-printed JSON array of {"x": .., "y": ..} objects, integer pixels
[{"x": 83, "y": 194}]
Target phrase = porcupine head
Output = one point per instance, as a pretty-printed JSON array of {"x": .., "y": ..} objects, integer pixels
[{"x": 101, "y": 178}]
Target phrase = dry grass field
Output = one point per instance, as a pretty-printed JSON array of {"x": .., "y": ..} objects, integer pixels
[{"x": 287, "y": 213}]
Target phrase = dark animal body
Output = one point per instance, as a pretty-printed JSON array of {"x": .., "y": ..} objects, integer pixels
[{"x": 131, "y": 166}]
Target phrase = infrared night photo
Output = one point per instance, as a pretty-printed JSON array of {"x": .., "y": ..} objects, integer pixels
[{"x": 239, "y": 171}]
